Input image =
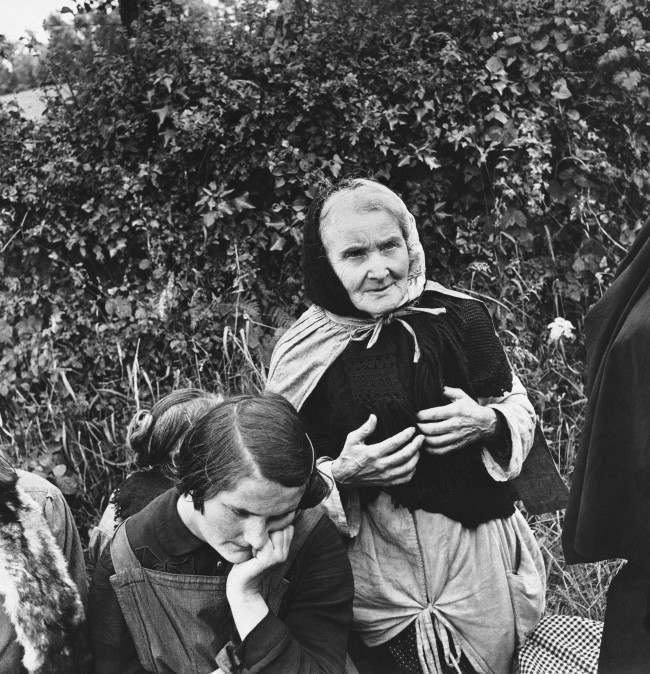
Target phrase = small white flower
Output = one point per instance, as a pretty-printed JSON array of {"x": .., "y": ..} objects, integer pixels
[
  {"x": 165, "y": 299},
  {"x": 560, "y": 328},
  {"x": 55, "y": 320}
]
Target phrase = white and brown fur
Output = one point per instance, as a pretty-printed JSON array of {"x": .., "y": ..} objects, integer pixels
[{"x": 39, "y": 596}]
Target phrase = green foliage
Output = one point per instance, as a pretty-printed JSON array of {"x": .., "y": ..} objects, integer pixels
[
  {"x": 20, "y": 67},
  {"x": 151, "y": 223}
]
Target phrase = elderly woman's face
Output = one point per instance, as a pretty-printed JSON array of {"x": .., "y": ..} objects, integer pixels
[{"x": 368, "y": 254}]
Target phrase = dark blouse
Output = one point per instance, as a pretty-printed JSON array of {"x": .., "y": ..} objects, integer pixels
[
  {"x": 459, "y": 349},
  {"x": 309, "y": 635}
]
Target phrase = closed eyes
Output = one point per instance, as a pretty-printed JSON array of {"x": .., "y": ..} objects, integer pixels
[{"x": 274, "y": 518}]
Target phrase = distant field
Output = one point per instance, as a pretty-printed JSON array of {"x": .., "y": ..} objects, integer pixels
[{"x": 32, "y": 102}]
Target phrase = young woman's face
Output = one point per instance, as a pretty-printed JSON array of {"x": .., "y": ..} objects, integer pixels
[
  {"x": 237, "y": 523},
  {"x": 368, "y": 254}
]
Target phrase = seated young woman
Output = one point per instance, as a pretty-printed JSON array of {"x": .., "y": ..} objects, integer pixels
[{"x": 232, "y": 569}]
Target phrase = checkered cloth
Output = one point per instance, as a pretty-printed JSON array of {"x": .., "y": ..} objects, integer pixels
[{"x": 562, "y": 644}]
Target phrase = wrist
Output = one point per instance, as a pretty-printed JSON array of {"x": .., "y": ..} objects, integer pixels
[
  {"x": 248, "y": 610},
  {"x": 491, "y": 423},
  {"x": 337, "y": 475},
  {"x": 242, "y": 593}
]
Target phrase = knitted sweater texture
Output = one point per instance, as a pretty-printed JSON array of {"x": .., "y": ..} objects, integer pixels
[{"x": 459, "y": 349}]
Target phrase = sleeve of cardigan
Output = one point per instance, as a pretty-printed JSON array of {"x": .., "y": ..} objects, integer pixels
[
  {"x": 113, "y": 648},
  {"x": 311, "y": 634},
  {"x": 496, "y": 385},
  {"x": 342, "y": 505},
  {"x": 520, "y": 418}
]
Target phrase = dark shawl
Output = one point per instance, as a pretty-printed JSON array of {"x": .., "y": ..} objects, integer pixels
[{"x": 608, "y": 515}]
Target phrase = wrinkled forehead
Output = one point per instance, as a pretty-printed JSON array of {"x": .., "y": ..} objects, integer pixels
[{"x": 363, "y": 197}]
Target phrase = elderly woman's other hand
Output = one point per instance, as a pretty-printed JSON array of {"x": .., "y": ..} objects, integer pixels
[
  {"x": 391, "y": 461},
  {"x": 453, "y": 426}
]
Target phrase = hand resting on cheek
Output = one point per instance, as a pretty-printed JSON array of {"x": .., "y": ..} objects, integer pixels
[{"x": 244, "y": 583}]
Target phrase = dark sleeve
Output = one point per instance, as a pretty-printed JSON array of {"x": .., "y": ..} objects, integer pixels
[
  {"x": 311, "y": 634},
  {"x": 489, "y": 369},
  {"x": 113, "y": 648},
  {"x": 500, "y": 445},
  {"x": 316, "y": 414}
]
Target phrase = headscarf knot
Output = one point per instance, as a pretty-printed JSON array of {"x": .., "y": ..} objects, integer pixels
[{"x": 372, "y": 331}]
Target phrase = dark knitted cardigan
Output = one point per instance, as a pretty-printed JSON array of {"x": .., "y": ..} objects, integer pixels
[{"x": 459, "y": 349}]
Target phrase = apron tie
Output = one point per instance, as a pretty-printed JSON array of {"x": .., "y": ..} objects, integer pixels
[
  {"x": 373, "y": 331},
  {"x": 431, "y": 632}
]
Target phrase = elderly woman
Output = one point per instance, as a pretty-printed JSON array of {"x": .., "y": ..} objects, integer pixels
[
  {"x": 419, "y": 419},
  {"x": 231, "y": 570}
]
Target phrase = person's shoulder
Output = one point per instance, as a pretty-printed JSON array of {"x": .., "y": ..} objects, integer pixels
[
  {"x": 163, "y": 501},
  {"x": 37, "y": 487},
  {"x": 144, "y": 527},
  {"x": 321, "y": 565},
  {"x": 471, "y": 310},
  {"x": 55, "y": 511},
  {"x": 139, "y": 489},
  {"x": 322, "y": 535},
  {"x": 437, "y": 289},
  {"x": 312, "y": 317}
]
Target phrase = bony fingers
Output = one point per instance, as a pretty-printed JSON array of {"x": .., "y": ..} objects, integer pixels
[
  {"x": 454, "y": 393},
  {"x": 288, "y": 537},
  {"x": 443, "y": 448},
  {"x": 358, "y": 435},
  {"x": 416, "y": 446},
  {"x": 402, "y": 456},
  {"x": 435, "y": 451},
  {"x": 428, "y": 429},
  {"x": 433, "y": 414},
  {"x": 412, "y": 447},
  {"x": 395, "y": 443},
  {"x": 403, "y": 478},
  {"x": 406, "y": 470},
  {"x": 437, "y": 429},
  {"x": 400, "y": 480},
  {"x": 404, "y": 436},
  {"x": 442, "y": 439},
  {"x": 413, "y": 461}
]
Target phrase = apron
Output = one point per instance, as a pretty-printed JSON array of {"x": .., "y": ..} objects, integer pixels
[
  {"x": 182, "y": 622},
  {"x": 478, "y": 592}
]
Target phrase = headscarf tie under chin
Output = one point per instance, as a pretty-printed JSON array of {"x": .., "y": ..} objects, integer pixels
[{"x": 373, "y": 330}]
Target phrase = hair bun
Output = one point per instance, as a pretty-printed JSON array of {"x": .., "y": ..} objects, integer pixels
[{"x": 137, "y": 433}]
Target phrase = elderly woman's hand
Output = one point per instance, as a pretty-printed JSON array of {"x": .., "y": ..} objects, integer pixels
[
  {"x": 391, "y": 461},
  {"x": 460, "y": 423}
]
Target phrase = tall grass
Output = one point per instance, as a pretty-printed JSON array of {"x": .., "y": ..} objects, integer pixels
[{"x": 73, "y": 432}]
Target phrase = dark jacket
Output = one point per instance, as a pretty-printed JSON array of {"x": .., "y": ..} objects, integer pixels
[{"x": 608, "y": 515}]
